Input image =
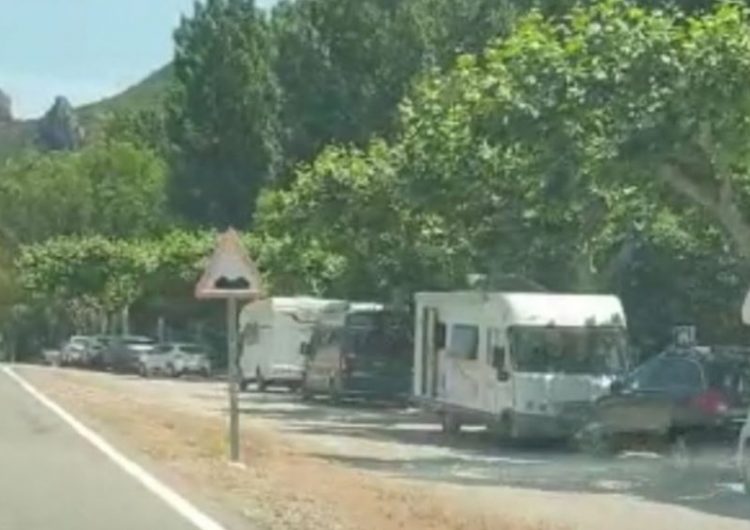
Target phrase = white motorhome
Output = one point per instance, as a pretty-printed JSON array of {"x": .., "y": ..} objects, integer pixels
[
  {"x": 526, "y": 364},
  {"x": 273, "y": 332}
]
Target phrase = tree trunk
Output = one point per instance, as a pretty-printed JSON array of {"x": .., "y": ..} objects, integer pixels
[{"x": 717, "y": 200}]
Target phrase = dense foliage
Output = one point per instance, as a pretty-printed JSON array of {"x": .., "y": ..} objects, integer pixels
[
  {"x": 373, "y": 148},
  {"x": 223, "y": 113},
  {"x": 568, "y": 153}
]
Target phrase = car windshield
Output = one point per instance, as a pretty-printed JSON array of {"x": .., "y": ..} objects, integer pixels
[
  {"x": 669, "y": 374},
  {"x": 570, "y": 350},
  {"x": 375, "y": 334}
]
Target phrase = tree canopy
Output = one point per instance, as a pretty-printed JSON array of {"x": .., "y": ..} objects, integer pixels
[
  {"x": 370, "y": 149},
  {"x": 559, "y": 154}
]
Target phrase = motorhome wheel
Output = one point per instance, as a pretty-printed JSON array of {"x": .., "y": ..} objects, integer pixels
[
  {"x": 450, "y": 423},
  {"x": 260, "y": 380}
]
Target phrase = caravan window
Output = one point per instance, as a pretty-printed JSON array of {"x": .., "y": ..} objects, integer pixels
[{"x": 464, "y": 341}]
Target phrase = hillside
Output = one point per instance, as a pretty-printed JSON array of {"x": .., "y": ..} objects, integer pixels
[
  {"x": 17, "y": 135},
  {"x": 142, "y": 95}
]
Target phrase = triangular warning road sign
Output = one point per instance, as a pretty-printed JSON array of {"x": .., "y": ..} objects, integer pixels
[{"x": 230, "y": 273}]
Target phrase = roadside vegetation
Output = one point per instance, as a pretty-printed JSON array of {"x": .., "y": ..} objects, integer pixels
[{"x": 370, "y": 149}]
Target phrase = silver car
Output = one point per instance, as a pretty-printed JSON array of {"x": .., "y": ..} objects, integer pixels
[
  {"x": 175, "y": 359},
  {"x": 77, "y": 351},
  {"x": 124, "y": 352}
]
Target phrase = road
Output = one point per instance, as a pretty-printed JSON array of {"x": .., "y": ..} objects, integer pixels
[{"x": 53, "y": 479}]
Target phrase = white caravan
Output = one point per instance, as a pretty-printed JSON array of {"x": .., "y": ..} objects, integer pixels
[
  {"x": 526, "y": 364},
  {"x": 273, "y": 332}
]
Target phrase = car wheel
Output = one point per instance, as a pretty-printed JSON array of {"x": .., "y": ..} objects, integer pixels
[
  {"x": 679, "y": 452},
  {"x": 334, "y": 392},
  {"x": 593, "y": 440},
  {"x": 260, "y": 381},
  {"x": 450, "y": 423},
  {"x": 745, "y": 467},
  {"x": 143, "y": 371},
  {"x": 171, "y": 372}
]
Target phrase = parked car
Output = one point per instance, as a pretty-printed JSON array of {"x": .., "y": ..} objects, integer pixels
[
  {"x": 680, "y": 397},
  {"x": 73, "y": 351},
  {"x": 98, "y": 347},
  {"x": 367, "y": 353},
  {"x": 81, "y": 350},
  {"x": 123, "y": 352},
  {"x": 175, "y": 359},
  {"x": 743, "y": 454}
]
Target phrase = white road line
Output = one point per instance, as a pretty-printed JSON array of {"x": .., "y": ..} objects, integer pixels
[{"x": 169, "y": 496}]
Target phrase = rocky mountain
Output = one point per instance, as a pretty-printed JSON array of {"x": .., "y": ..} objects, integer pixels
[
  {"x": 64, "y": 126},
  {"x": 59, "y": 129},
  {"x": 6, "y": 108}
]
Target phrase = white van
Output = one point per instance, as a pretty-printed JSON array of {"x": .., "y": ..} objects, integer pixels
[
  {"x": 525, "y": 364},
  {"x": 273, "y": 332}
]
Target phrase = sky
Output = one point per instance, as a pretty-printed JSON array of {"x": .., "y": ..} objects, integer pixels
[{"x": 83, "y": 49}]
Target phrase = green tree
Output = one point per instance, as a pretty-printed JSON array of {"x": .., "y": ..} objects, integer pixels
[
  {"x": 111, "y": 188},
  {"x": 345, "y": 65},
  {"x": 222, "y": 113},
  {"x": 582, "y": 152}
]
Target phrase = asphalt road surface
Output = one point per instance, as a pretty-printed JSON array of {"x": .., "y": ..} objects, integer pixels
[{"x": 53, "y": 479}]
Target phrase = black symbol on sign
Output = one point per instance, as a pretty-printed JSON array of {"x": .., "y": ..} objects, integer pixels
[{"x": 233, "y": 284}]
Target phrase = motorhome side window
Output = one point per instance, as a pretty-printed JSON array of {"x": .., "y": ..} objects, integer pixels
[{"x": 464, "y": 341}]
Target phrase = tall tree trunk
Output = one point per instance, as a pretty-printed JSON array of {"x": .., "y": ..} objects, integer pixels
[{"x": 717, "y": 200}]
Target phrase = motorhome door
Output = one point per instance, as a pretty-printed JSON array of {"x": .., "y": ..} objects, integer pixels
[
  {"x": 498, "y": 387},
  {"x": 433, "y": 340}
]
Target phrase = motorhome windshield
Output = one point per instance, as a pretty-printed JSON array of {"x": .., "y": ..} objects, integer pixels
[
  {"x": 571, "y": 350},
  {"x": 376, "y": 333}
]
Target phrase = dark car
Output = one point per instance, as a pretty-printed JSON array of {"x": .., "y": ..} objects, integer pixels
[
  {"x": 99, "y": 346},
  {"x": 680, "y": 397},
  {"x": 369, "y": 354},
  {"x": 123, "y": 353}
]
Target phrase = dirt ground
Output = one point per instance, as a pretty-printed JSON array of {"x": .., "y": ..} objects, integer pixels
[{"x": 284, "y": 485}]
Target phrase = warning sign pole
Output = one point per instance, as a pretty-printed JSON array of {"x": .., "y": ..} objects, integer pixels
[
  {"x": 230, "y": 274},
  {"x": 234, "y": 380}
]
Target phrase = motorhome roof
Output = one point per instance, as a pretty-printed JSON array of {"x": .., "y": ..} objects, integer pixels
[
  {"x": 365, "y": 307},
  {"x": 306, "y": 303},
  {"x": 559, "y": 309}
]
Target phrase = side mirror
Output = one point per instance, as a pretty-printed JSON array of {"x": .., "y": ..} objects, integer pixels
[
  {"x": 503, "y": 376},
  {"x": 304, "y": 349}
]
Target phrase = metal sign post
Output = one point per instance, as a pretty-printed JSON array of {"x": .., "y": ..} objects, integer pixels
[
  {"x": 234, "y": 381},
  {"x": 231, "y": 275}
]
